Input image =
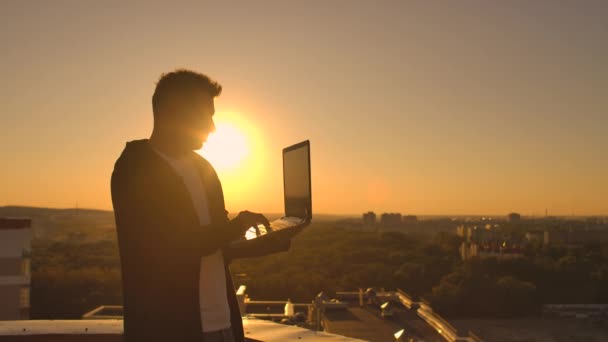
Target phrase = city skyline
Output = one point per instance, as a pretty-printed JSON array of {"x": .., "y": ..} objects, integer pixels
[{"x": 453, "y": 109}]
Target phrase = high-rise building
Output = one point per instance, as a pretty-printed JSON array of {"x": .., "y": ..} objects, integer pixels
[
  {"x": 15, "y": 236},
  {"x": 410, "y": 218},
  {"x": 369, "y": 219},
  {"x": 390, "y": 219},
  {"x": 514, "y": 217}
]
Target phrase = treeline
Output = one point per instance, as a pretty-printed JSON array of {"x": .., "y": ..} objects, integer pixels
[
  {"x": 547, "y": 275},
  {"x": 324, "y": 258},
  {"x": 72, "y": 277}
]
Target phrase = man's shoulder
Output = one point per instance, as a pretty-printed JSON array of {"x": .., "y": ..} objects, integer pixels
[
  {"x": 136, "y": 159},
  {"x": 201, "y": 162},
  {"x": 134, "y": 151}
]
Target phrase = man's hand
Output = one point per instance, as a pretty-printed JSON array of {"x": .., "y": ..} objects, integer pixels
[{"x": 247, "y": 219}]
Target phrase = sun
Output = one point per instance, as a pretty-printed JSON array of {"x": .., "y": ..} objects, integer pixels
[
  {"x": 226, "y": 148},
  {"x": 236, "y": 152}
]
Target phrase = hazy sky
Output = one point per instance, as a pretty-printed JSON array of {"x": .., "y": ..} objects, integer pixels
[{"x": 447, "y": 107}]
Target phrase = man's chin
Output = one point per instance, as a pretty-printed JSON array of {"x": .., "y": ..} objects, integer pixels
[{"x": 196, "y": 144}]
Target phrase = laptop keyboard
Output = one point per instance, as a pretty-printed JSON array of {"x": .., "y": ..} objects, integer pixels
[
  {"x": 275, "y": 225},
  {"x": 285, "y": 222}
]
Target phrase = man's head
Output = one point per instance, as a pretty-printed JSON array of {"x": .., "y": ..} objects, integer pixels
[{"x": 183, "y": 107}]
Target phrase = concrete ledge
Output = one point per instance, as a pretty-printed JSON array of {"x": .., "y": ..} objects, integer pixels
[{"x": 110, "y": 330}]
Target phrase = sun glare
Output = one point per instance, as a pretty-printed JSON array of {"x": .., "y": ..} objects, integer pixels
[
  {"x": 226, "y": 148},
  {"x": 236, "y": 151}
]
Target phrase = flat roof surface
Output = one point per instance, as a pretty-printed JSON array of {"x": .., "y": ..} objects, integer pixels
[
  {"x": 533, "y": 329},
  {"x": 15, "y": 223},
  {"x": 269, "y": 331},
  {"x": 366, "y": 323},
  {"x": 256, "y": 329},
  {"x": 43, "y": 327},
  {"x": 358, "y": 322}
]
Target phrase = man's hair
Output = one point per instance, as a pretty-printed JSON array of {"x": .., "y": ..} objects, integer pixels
[{"x": 184, "y": 82}]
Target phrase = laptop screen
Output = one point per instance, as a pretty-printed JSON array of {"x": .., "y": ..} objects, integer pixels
[{"x": 296, "y": 180}]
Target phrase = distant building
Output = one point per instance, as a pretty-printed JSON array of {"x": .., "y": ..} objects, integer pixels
[
  {"x": 410, "y": 218},
  {"x": 461, "y": 231},
  {"x": 390, "y": 219},
  {"x": 514, "y": 217},
  {"x": 573, "y": 237},
  {"x": 537, "y": 236},
  {"x": 15, "y": 236},
  {"x": 487, "y": 241},
  {"x": 369, "y": 219}
]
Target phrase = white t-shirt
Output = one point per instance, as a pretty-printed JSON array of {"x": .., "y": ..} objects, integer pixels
[{"x": 213, "y": 300}]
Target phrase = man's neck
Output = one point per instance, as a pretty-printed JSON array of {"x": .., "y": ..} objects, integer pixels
[{"x": 167, "y": 146}]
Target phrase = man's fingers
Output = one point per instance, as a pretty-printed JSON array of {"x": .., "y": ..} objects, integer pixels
[
  {"x": 250, "y": 219},
  {"x": 263, "y": 220}
]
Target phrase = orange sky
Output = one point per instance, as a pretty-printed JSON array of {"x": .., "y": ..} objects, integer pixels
[{"x": 459, "y": 108}]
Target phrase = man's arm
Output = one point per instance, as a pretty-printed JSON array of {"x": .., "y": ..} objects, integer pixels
[
  {"x": 137, "y": 209},
  {"x": 272, "y": 243}
]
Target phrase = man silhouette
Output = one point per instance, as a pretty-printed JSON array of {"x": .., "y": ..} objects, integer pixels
[{"x": 173, "y": 230}]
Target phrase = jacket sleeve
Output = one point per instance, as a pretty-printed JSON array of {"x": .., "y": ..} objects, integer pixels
[{"x": 139, "y": 209}]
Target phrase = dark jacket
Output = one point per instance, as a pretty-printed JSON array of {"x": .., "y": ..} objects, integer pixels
[{"x": 161, "y": 243}]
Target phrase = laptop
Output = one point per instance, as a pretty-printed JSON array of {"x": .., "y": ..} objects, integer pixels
[{"x": 296, "y": 192}]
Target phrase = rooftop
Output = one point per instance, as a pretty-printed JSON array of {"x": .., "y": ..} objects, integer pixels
[
  {"x": 15, "y": 223},
  {"x": 367, "y": 323},
  {"x": 110, "y": 330},
  {"x": 534, "y": 329}
]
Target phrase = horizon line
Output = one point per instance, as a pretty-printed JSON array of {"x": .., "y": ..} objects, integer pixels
[{"x": 342, "y": 214}]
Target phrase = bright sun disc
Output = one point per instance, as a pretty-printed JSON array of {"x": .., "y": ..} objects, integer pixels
[{"x": 226, "y": 147}]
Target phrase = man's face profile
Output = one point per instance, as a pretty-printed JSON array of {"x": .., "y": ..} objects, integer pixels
[{"x": 196, "y": 119}]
